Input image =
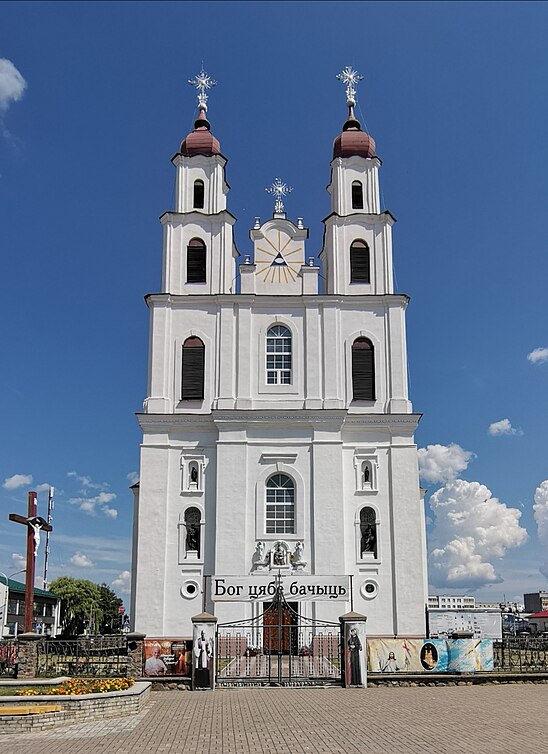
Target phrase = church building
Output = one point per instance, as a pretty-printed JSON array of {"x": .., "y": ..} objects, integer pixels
[{"x": 277, "y": 427}]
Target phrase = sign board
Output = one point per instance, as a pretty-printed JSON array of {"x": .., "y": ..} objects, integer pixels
[
  {"x": 4, "y": 593},
  {"x": 296, "y": 588},
  {"x": 482, "y": 624}
]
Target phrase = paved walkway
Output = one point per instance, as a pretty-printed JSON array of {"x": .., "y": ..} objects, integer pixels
[{"x": 442, "y": 720}]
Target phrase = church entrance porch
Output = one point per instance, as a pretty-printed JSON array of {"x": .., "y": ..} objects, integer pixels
[{"x": 279, "y": 647}]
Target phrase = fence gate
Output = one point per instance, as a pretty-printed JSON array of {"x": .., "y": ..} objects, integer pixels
[{"x": 278, "y": 648}]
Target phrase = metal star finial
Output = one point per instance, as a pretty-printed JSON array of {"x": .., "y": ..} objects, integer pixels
[
  {"x": 279, "y": 189},
  {"x": 350, "y": 77},
  {"x": 202, "y": 82}
]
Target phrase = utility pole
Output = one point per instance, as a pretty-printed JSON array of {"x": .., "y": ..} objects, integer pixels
[
  {"x": 49, "y": 520},
  {"x": 34, "y": 524}
]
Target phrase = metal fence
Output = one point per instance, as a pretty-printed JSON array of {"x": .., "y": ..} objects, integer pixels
[
  {"x": 103, "y": 656},
  {"x": 8, "y": 658},
  {"x": 521, "y": 654}
]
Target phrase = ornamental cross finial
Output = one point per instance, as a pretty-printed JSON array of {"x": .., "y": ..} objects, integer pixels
[
  {"x": 350, "y": 77},
  {"x": 278, "y": 190},
  {"x": 202, "y": 82}
]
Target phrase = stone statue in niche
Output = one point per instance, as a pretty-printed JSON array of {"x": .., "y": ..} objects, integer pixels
[
  {"x": 368, "y": 539},
  {"x": 194, "y": 477},
  {"x": 259, "y": 553},
  {"x": 297, "y": 557},
  {"x": 192, "y": 538},
  {"x": 366, "y": 475}
]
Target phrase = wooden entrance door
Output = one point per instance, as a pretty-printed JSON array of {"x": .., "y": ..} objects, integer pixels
[{"x": 279, "y": 627}]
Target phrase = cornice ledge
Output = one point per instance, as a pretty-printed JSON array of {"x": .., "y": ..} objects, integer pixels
[
  {"x": 166, "y": 421},
  {"x": 182, "y": 216},
  {"x": 391, "y": 420},
  {"x": 298, "y": 416}
]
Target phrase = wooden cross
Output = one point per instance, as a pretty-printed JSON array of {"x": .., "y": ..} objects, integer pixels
[{"x": 34, "y": 524}]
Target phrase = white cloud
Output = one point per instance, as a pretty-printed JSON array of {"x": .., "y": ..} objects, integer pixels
[
  {"x": 16, "y": 481},
  {"x": 12, "y": 84},
  {"x": 87, "y": 483},
  {"x": 442, "y": 463},
  {"x": 43, "y": 487},
  {"x": 133, "y": 477},
  {"x": 18, "y": 560},
  {"x": 538, "y": 356},
  {"x": 90, "y": 504},
  {"x": 541, "y": 517},
  {"x": 80, "y": 560},
  {"x": 503, "y": 427},
  {"x": 122, "y": 582},
  {"x": 471, "y": 529}
]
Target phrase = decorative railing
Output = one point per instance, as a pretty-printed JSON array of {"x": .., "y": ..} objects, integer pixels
[
  {"x": 102, "y": 656},
  {"x": 8, "y": 657},
  {"x": 521, "y": 654}
]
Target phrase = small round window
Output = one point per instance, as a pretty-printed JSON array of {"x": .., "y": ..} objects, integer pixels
[
  {"x": 190, "y": 589},
  {"x": 369, "y": 589}
]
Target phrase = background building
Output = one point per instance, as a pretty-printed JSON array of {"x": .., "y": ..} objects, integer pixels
[
  {"x": 45, "y": 613},
  {"x": 277, "y": 427},
  {"x": 536, "y": 602}
]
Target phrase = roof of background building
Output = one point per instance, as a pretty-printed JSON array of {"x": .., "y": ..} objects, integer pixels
[{"x": 17, "y": 586}]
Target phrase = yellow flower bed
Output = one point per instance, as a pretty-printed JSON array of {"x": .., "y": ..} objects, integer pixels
[{"x": 82, "y": 686}]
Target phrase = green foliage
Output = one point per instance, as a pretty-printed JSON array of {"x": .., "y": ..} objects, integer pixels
[
  {"x": 110, "y": 605},
  {"x": 81, "y": 605}
]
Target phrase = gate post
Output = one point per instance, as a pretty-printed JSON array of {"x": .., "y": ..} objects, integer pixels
[
  {"x": 27, "y": 654},
  {"x": 135, "y": 654},
  {"x": 203, "y": 651},
  {"x": 353, "y": 650}
]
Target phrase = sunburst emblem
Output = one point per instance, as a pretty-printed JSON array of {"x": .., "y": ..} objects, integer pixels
[{"x": 278, "y": 264}]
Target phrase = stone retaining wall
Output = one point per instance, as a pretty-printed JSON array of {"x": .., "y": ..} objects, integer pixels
[
  {"x": 444, "y": 679},
  {"x": 82, "y": 708}
]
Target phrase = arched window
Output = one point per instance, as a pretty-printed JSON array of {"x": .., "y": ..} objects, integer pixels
[
  {"x": 278, "y": 356},
  {"x": 198, "y": 194},
  {"x": 363, "y": 370},
  {"x": 357, "y": 195},
  {"x": 193, "y": 525},
  {"x": 280, "y": 505},
  {"x": 359, "y": 262},
  {"x": 196, "y": 261},
  {"x": 193, "y": 370},
  {"x": 368, "y": 532}
]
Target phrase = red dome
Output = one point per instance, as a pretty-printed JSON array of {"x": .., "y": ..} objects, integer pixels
[
  {"x": 353, "y": 141},
  {"x": 201, "y": 140}
]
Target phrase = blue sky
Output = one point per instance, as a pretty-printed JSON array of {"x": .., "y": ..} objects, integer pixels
[{"x": 455, "y": 97}]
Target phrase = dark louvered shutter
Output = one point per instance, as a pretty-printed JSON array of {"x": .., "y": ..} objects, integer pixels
[
  {"x": 359, "y": 262},
  {"x": 196, "y": 262},
  {"x": 363, "y": 371},
  {"x": 193, "y": 370}
]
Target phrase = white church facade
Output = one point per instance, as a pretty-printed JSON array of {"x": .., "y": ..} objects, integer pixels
[{"x": 277, "y": 427}]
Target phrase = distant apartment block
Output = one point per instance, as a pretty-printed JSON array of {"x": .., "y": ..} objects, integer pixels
[
  {"x": 536, "y": 602},
  {"x": 452, "y": 601}
]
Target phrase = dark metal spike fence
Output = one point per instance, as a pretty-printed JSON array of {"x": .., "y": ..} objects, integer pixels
[
  {"x": 8, "y": 658},
  {"x": 521, "y": 654},
  {"x": 102, "y": 656}
]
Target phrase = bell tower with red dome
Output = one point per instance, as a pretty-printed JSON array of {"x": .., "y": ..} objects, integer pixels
[{"x": 357, "y": 251}]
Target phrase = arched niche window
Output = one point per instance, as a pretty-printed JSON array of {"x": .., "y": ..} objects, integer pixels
[
  {"x": 278, "y": 356},
  {"x": 193, "y": 534},
  {"x": 193, "y": 370},
  {"x": 196, "y": 261},
  {"x": 363, "y": 370},
  {"x": 368, "y": 533},
  {"x": 280, "y": 505},
  {"x": 359, "y": 262},
  {"x": 357, "y": 195},
  {"x": 198, "y": 194}
]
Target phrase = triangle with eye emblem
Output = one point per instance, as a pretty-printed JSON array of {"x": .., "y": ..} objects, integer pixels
[{"x": 279, "y": 260}]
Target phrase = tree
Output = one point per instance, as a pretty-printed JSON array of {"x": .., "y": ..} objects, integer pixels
[
  {"x": 110, "y": 605},
  {"x": 81, "y": 606}
]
